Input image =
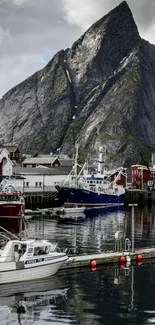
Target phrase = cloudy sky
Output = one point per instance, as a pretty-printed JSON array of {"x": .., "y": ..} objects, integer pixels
[{"x": 32, "y": 31}]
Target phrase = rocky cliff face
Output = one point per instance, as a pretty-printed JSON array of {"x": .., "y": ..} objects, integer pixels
[{"x": 101, "y": 92}]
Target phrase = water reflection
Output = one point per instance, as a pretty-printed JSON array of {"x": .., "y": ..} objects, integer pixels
[
  {"x": 28, "y": 303},
  {"x": 97, "y": 231},
  {"x": 106, "y": 296},
  {"x": 91, "y": 234},
  {"x": 97, "y": 298}
]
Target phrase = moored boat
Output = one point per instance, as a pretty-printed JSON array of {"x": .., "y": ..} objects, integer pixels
[
  {"x": 23, "y": 260},
  {"x": 71, "y": 218},
  {"x": 12, "y": 207},
  {"x": 12, "y": 203},
  {"x": 95, "y": 189},
  {"x": 73, "y": 210}
]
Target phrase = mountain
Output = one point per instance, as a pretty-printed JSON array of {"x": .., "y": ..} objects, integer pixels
[{"x": 101, "y": 92}]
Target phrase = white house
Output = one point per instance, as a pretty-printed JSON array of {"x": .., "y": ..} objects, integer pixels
[
  {"x": 42, "y": 179},
  {"x": 5, "y": 163},
  {"x": 6, "y": 170}
]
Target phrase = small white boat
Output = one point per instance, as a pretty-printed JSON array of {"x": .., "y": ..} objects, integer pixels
[
  {"x": 72, "y": 217},
  {"x": 23, "y": 260},
  {"x": 74, "y": 210}
]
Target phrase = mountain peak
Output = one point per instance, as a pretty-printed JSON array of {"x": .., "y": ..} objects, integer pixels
[
  {"x": 119, "y": 18},
  {"x": 102, "y": 47}
]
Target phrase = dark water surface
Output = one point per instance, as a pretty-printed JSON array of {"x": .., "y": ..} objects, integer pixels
[
  {"x": 104, "y": 296},
  {"x": 96, "y": 232}
]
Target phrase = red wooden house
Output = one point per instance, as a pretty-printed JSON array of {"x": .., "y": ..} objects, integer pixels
[
  {"x": 141, "y": 177},
  {"x": 122, "y": 178}
]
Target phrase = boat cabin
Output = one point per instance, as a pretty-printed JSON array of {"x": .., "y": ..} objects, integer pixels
[
  {"x": 16, "y": 250},
  {"x": 92, "y": 182}
]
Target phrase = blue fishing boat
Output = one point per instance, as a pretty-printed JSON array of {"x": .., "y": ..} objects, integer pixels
[{"x": 92, "y": 189}]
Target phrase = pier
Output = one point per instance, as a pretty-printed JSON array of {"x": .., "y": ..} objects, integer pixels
[
  {"x": 51, "y": 200},
  {"x": 108, "y": 258}
]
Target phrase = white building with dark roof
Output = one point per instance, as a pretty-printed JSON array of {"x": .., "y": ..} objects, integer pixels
[{"x": 43, "y": 179}]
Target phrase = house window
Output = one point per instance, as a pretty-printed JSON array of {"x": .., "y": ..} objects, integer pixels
[
  {"x": 38, "y": 184},
  {"x": 27, "y": 184}
]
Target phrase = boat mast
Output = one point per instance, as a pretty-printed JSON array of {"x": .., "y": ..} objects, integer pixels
[
  {"x": 75, "y": 164},
  {"x": 100, "y": 161}
]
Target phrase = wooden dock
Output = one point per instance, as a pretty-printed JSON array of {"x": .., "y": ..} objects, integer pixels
[{"x": 108, "y": 258}]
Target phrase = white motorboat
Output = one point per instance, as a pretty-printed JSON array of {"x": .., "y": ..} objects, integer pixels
[
  {"x": 23, "y": 260},
  {"x": 74, "y": 210},
  {"x": 71, "y": 217}
]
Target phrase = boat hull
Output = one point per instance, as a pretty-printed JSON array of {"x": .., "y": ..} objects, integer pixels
[
  {"x": 11, "y": 209},
  {"x": 71, "y": 196},
  {"x": 12, "y": 224},
  {"x": 31, "y": 273}
]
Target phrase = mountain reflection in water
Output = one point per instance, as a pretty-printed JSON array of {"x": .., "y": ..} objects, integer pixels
[{"x": 96, "y": 232}]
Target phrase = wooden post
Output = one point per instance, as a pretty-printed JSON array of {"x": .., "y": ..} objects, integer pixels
[{"x": 133, "y": 225}]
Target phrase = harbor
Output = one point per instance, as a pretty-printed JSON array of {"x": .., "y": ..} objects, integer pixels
[
  {"x": 77, "y": 162},
  {"x": 102, "y": 259}
]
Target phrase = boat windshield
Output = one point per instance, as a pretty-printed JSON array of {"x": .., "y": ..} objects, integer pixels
[{"x": 41, "y": 250}]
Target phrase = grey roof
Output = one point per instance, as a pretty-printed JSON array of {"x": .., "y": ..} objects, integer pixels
[
  {"x": 66, "y": 162},
  {"x": 39, "y": 160},
  {"x": 43, "y": 171},
  {"x": 47, "y": 159},
  {"x": 10, "y": 148}
]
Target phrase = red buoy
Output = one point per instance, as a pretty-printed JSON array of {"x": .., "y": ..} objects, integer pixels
[
  {"x": 93, "y": 263},
  {"x": 139, "y": 258},
  {"x": 122, "y": 265},
  {"x": 93, "y": 268},
  {"x": 122, "y": 259}
]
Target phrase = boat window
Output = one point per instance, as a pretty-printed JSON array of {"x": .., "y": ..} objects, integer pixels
[
  {"x": 16, "y": 248},
  {"x": 23, "y": 248},
  {"x": 41, "y": 250}
]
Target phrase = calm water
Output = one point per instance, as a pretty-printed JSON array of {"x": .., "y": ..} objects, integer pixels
[
  {"x": 105, "y": 296},
  {"x": 96, "y": 232}
]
